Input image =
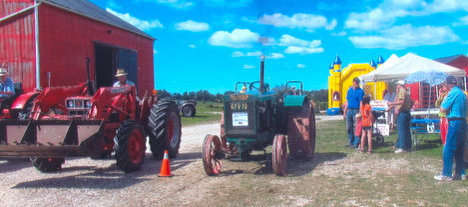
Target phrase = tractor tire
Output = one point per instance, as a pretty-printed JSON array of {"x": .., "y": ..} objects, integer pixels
[
  {"x": 188, "y": 111},
  {"x": 302, "y": 132},
  {"x": 47, "y": 164},
  {"x": 279, "y": 155},
  {"x": 165, "y": 129},
  {"x": 131, "y": 146},
  {"x": 211, "y": 151}
]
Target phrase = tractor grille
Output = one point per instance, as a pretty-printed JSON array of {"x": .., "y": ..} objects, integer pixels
[{"x": 78, "y": 106}]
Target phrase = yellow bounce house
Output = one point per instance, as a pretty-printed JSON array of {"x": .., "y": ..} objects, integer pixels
[{"x": 339, "y": 82}]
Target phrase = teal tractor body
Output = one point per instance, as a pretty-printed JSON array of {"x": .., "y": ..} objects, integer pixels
[{"x": 257, "y": 117}]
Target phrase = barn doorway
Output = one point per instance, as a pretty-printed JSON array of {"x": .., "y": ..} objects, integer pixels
[{"x": 109, "y": 58}]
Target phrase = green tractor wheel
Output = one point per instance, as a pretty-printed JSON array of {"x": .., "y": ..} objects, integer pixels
[{"x": 279, "y": 155}]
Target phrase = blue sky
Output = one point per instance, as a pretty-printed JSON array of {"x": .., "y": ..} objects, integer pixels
[{"x": 211, "y": 44}]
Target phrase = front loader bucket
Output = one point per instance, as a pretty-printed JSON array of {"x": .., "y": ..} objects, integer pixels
[{"x": 50, "y": 138}]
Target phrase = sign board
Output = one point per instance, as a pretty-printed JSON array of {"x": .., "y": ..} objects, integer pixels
[
  {"x": 384, "y": 129},
  {"x": 240, "y": 119},
  {"x": 379, "y": 104}
]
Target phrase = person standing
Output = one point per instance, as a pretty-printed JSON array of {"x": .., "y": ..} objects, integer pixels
[
  {"x": 367, "y": 120},
  {"x": 351, "y": 108},
  {"x": 442, "y": 115},
  {"x": 455, "y": 107},
  {"x": 403, "y": 106}
]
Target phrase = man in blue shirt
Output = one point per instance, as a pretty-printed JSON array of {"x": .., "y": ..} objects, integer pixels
[
  {"x": 351, "y": 108},
  {"x": 455, "y": 107}
]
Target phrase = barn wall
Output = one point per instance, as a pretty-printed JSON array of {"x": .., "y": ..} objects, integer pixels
[
  {"x": 66, "y": 39},
  {"x": 17, "y": 42}
]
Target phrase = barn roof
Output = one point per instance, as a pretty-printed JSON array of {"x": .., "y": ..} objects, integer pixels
[
  {"x": 448, "y": 59},
  {"x": 90, "y": 10}
]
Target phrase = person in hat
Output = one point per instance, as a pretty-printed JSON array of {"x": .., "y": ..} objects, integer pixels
[
  {"x": 403, "y": 105},
  {"x": 351, "y": 108},
  {"x": 7, "y": 89},
  {"x": 121, "y": 76},
  {"x": 455, "y": 107}
]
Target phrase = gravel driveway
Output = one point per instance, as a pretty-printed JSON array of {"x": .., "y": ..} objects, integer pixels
[{"x": 87, "y": 182}]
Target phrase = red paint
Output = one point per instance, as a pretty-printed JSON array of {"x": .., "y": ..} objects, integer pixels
[
  {"x": 17, "y": 47},
  {"x": 65, "y": 40}
]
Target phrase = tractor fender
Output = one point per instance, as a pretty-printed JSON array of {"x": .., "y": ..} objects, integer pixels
[
  {"x": 21, "y": 101},
  {"x": 295, "y": 100}
]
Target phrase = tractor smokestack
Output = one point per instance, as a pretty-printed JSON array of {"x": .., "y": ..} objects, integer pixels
[
  {"x": 89, "y": 84},
  {"x": 262, "y": 74}
]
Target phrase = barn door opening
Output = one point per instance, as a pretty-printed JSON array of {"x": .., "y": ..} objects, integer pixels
[{"x": 109, "y": 58}]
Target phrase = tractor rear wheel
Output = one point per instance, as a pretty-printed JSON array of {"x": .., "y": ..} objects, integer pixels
[
  {"x": 188, "y": 111},
  {"x": 47, "y": 164},
  {"x": 301, "y": 132},
  {"x": 279, "y": 155},
  {"x": 212, "y": 155},
  {"x": 131, "y": 146},
  {"x": 165, "y": 129}
]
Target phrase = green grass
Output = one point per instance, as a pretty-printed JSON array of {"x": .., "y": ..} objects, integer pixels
[
  {"x": 206, "y": 112},
  {"x": 340, "y": 176}
]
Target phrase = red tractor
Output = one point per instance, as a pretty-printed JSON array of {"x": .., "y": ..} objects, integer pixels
[{"x": 75, "y": 122}]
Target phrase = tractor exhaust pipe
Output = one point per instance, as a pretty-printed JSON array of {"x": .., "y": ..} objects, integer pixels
[
  {"x": 89, "y": 84},
  {"x": 262, "y": 74}
]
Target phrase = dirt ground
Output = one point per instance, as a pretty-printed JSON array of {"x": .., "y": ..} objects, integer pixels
[{"x": 87, "y": 182}]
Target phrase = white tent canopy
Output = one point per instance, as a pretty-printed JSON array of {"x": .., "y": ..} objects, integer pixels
[
  {"x": 370, "y": 77},
  {"x": 409, "y": 64}
]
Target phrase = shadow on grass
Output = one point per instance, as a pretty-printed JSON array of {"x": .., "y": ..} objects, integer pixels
[{"x": 296, "y": 167}]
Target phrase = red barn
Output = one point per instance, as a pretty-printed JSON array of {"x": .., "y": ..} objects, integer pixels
[{"x": 46, "y": 42}]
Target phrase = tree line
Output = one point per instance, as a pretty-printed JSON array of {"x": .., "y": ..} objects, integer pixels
[{"x": 319, "y": 96}]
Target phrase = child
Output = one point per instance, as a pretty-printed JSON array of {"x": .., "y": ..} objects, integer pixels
[{"x": 367, "y": 119}]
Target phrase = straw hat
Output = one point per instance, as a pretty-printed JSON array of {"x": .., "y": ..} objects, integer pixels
[
  {"x": 120, "y": 72},
  {"x": 3, "y": 71}
]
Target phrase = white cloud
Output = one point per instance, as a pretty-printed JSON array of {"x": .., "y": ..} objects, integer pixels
[
  {"x": 310, "y": 22},
  {"x": 179, "y": 4},
  {"x": 192, "y": 26},
  {"x": 275, "y": 56},
  {"x": 332, "y": 25},
  {"x": 249, "y": 54},
  {"x": 192, "y": 46},
  {"x": 463, "y": 20},
  {"x": 155, "y": 51},
  {"x": 339, "y": 34},
  {"x": 401, "y": 37},
  {"x": 238, "y": 38},
  {"x": 303, "y": 50},
  {"x": 227, "y": 3},
  {"x": 141, "y": 24},
  {"x": 386, "y": 14},
  {"x": 301, "y": 66},
  {"x": 248, "y": 66},
  {"x": 288, "y": 40},
  {"x": 299, "y": 46}
]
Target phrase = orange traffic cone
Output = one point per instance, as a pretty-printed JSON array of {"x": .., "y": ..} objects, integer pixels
[{"x": 165, "y": 168}]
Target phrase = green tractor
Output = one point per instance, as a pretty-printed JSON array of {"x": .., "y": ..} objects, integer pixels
[{"x": 256, "y": 118}]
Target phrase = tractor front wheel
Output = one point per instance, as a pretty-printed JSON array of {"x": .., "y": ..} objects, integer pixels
[
  {"x": 47, "y": 164},
  {"x": 131, "y": 146},
  {"x": 279, "y": 155},
  {"x": 188, "y": 111},
  {"x": 165, "y": 129},
  {"x": 212, "y": 155}
]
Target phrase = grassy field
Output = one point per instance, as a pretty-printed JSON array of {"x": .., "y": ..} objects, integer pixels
[
  {"x": 340, "y": 176},
  {"x": 206, "y": 112}
]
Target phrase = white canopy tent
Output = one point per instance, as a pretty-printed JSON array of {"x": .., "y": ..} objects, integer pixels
[
  {"x": 370, "y": 77},
  {"x": 408, "y": 64}
]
